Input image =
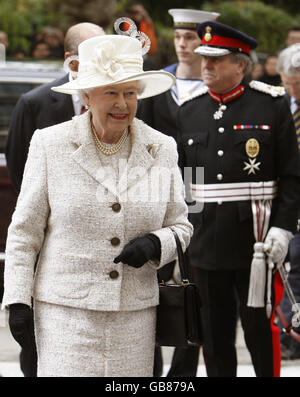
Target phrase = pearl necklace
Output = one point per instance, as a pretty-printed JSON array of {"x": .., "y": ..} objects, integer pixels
[{"x": 109, "y": 149}]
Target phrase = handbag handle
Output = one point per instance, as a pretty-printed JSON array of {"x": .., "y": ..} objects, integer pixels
[{"x": 182, "y": 261}]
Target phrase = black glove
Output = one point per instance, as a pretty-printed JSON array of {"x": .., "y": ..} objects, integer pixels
[
  {"x": 140, "y": 250},
  {"x": 21, "y": 324}
]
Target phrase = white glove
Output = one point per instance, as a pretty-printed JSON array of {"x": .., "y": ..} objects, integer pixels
[{"x": 277, "y": 243}]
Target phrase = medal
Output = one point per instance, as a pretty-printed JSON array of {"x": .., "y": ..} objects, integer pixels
[
  {"x": 251, "y": 166},
  {"x": 252, "y": 148},
  {"x": 219, "y": 113}
]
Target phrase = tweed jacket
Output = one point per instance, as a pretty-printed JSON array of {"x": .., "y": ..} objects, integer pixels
[{"x": 66, "y": 212}]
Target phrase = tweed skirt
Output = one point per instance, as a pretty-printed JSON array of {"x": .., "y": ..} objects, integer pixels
[{"x": 73, "y": 342}]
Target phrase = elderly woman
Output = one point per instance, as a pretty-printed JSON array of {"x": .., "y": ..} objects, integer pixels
[{"x": 100, "y": 197}]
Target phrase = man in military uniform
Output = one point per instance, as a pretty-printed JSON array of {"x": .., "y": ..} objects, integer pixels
[
  {"x": 245, "y": 139},
  {"x": 161, "y": 113}
]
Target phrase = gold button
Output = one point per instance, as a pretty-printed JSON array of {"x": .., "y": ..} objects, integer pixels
[
  {"x": 116, "y": 207},
  {"x": 115, "y": 241},
  {"x": 114, "y": 274}
]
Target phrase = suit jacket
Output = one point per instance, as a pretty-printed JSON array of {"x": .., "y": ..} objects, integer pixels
[
  {"x": 223, "y": 238},
  {"x": 65, "y": 211},
  {"x": 38, "y": 108},
  {"x": 160, "y": 112}
]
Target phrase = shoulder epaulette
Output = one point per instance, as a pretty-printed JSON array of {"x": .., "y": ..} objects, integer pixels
[
  {"x": 272, "y": 90},
  {"x": 188, "y": 97}
]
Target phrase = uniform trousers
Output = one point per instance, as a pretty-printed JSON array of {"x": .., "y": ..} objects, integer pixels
[
  {"x": 224, "y": 298},
  {"x": 74, "y": 342}
]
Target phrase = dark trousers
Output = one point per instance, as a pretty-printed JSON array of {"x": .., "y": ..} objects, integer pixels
[
  {"x": 294, "y": 280},
  {"x": 224, "y": 297},
  {"x": 184, "y": 362}
]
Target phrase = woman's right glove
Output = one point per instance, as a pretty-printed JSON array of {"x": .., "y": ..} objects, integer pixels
[
  {"x": 140, "y": 250},
  {"x": 21, "y": 324}
]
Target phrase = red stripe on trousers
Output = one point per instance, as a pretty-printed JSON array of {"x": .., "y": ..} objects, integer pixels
[{"x": 278, "y": 289}]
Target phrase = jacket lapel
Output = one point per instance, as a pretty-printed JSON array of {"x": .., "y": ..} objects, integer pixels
[
  {"x": 140, "y": 160},
  {"x": 141, "y": 157}
]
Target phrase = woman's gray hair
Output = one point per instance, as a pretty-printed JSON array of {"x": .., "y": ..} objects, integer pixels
[
  {"x": 238, "y": 57},
  {"x": 289, "y": 60}
]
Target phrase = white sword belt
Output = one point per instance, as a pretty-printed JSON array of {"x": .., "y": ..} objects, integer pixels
[{"x": 212, "y": 193}]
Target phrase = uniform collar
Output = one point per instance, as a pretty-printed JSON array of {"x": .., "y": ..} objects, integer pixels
[{"x": 229, "y": 96}]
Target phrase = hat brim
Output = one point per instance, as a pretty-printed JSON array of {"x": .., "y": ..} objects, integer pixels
[
  {"x": 210, "y": 51},
  {"x": 153, "y": 82}
]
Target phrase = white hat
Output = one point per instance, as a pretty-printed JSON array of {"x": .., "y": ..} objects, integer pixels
[
  {"x": 115, "y": 59},
  {"x": 188, "y": 19}
]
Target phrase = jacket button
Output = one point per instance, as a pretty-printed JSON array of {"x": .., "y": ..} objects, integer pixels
[
  {"x": 114, "y": 274},
  {"x": 219, "y": 177},
  {"x": 220, "y": 153},
  {"x": 115, "y": 241},
  {"x": 116, "y": 207},
  {"x": 190, "y": 142},
  {"x": 221, "y": 130}
]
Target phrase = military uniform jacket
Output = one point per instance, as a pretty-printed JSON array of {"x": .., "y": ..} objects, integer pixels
[{"x": 223, "y": 231}]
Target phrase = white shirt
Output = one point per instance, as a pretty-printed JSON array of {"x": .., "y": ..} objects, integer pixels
[
  {"x": 185, "y": 88},
  {"x": 77, "y": 105}
]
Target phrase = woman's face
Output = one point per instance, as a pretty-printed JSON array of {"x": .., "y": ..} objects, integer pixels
[{"x": 113, "y": 107}]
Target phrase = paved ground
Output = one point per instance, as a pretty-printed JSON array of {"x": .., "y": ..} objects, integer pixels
[{"x": 9, "y": 356}]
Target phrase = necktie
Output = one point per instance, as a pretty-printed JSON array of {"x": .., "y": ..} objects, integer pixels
[{"x": 296, "y": 117}]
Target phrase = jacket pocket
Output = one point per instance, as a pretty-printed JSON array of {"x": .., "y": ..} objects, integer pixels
[{"x": 195, "y": 147}]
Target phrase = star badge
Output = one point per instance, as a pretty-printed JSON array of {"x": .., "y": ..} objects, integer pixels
[{"x": 251, "y": 166}]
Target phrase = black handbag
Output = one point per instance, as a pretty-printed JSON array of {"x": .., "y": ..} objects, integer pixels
[{"x": 178, "y": 320}]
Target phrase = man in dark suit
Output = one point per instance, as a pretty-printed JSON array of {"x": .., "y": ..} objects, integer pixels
[
  {"x": 42, "y": 108},
  {"x": 289, "y": 69},
  {"x": 245, "y": 142}
]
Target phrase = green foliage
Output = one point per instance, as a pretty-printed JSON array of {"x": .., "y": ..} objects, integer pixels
[{"x": 22, "y": 20}]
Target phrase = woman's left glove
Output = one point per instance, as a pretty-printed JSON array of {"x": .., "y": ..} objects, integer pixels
[{"x": 140, "y": 250}]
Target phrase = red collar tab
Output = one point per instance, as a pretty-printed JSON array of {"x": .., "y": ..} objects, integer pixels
[{"x": 229, "y": 96}]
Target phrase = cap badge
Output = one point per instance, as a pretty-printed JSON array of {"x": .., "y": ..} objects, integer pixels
[
  {"x": 252, "y": 147},
  {"x": 207, "y": 36}
]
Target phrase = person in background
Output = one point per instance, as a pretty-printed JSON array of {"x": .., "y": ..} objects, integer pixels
[
  {"x": 139, "y": 15},
  {"x": 101, "y": 237},
  {"x": 289, "y": 69},
  {"x": 144, "y": 23},
  {"x": 41, "y": 51},
  {"x": 257, "y": 71},
  {"x": 41, "y": 108},
  {"x": 54, "y": 38},
  {"x": 4, "y": 39},
  {"x": 161, "y": 113},
  {"x": 293, "y": 36},
  {"x": 270, "y": 75},
  {"x": 245, "y": 142}
]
